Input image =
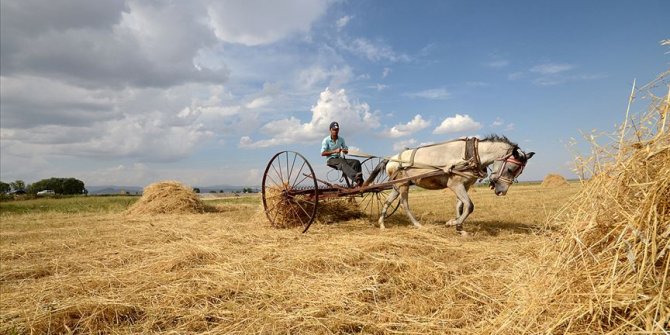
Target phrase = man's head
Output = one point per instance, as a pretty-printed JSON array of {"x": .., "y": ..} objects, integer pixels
[
  {"x": 334, "y": 128},
  {"x": 334, "y": 125}
]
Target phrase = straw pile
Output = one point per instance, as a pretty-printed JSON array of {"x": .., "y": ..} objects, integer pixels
[
  {"x": 167, "y": 197},
  {"x": 609, "y": 272},
  {"x": 294, "y": 211},
  {"x": 554, "y": 180}
]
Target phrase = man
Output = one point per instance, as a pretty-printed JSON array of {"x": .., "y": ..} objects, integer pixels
[{"x": 332, "y": 147}]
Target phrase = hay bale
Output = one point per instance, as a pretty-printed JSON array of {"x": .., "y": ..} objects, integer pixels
[
  {"x": 167, "y": 197},
  {"x": 609, "y": 270},
  {"x": 554, "y": 180}
]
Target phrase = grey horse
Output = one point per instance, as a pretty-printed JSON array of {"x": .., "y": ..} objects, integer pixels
[{"x": 463, "y": 161}]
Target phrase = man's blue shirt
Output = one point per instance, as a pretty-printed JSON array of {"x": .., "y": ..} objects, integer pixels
[{"x": 329, "y": 145}]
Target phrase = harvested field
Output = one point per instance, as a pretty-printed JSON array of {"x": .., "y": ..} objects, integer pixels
[{"x": 230, "y": 272}]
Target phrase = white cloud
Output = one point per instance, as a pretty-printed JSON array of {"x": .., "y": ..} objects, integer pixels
[
  {"x": 343, "y": 21},
  {"x": 331, "y": 106},
  {"x": 318, "y": 76},
  {"x": 400, "y": 130},
  {"x": 379, "y": 87},
  {"x": 256, "y": 22},
  {"x": 386, "y": 72},
  {"x": 457, "y": 123},
  {"x": 402, "y": 145},
  {"x": 432, "y": 94},
  {"x": 497, "y": 123},
  {"x": 550, "y": 68},
  {"x": 372, "y": 51}
]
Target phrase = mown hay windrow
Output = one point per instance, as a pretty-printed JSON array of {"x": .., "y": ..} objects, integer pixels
[
  {"x": 609, "y": 271},
  {"x": 167, "y": 197},
  {"x": 554, "y": 180},
  {"x": 290, "y": 211}
]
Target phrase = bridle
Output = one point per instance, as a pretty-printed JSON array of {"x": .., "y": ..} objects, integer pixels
[{"x": 509, "y": 158}]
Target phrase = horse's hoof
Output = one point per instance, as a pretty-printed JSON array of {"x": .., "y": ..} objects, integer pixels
[
  {"x": 418, "y": 226},
  {"x": 451, "y": 222}
]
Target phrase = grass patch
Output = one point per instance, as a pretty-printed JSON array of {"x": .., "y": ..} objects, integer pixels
[{"x": 76, "y": 204}]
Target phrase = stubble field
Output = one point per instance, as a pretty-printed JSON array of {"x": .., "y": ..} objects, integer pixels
[{"x": 81, "y": 265}]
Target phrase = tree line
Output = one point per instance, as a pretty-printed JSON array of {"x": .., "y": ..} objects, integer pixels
[{"x": 64, "y": 186}]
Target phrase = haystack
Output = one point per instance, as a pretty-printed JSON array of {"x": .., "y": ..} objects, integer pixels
[
  {"x": 609, "y": 272},
  {"x": 167, "y": 197},
  {"x": 554, "y": 180}
]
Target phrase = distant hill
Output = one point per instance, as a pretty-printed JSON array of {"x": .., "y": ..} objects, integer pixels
[{"x": 113, "y": 189}]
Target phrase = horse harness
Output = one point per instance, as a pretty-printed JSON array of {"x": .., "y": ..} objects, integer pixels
[
  {"x": 471, "y": 165},
  {"x": 509, "y": 158}
]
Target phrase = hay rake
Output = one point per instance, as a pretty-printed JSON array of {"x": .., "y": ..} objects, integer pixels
[{"x": 291, "y": 191}]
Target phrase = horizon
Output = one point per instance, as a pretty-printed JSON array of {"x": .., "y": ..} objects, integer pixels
[{"x": 205, "y": 92}]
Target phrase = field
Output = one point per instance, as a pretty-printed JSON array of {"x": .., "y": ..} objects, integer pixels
[{"x": 81, "y": 265}]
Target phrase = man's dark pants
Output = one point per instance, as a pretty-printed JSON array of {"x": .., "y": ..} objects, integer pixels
[{"x": 350, "y": 167}]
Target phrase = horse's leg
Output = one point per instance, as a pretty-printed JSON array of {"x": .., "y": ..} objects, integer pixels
[
  {"x": 394, "y": 194},
  {"x": 404, "y": 193},
  {"x": 464, "y": 206}
]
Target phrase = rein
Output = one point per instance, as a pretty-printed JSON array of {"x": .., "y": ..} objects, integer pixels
[{"x": 509, "y": 158}]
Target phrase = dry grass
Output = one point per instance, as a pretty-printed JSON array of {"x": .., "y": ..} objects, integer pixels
[
  {"x": 231, "y": 272},
  {"x": 608, "y": 272},
  {"x": 167, "y": 197},
  {"x": 554, "y": 180}
]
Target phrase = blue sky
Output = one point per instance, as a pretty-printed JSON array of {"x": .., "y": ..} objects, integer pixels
[{"x": 205, "y": 92}]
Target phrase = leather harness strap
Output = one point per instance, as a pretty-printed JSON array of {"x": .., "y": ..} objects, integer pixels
[{"x": 469, "y": 167}]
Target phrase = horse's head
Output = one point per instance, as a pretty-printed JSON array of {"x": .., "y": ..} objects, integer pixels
[{"x": 507, "y": 168}]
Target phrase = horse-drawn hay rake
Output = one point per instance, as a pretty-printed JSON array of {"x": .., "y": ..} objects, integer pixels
[{"x": 291, "y": 191}]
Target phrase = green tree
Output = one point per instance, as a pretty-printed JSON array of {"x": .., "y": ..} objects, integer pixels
[
  {"x": 18, "y": 185},
  {"x": 58, "y": 185},
  {"x": 73, "y": 186},
  {"x": 4, "y": 188}
]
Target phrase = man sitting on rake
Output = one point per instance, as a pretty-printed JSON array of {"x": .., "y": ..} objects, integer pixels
[{"x": 334, "y": 147}]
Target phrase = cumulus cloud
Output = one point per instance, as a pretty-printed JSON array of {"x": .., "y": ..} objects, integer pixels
[
  {"x": 431, "y": 94},
  {"x": 400, "y": 130},
  {"x": 134, "y": 79},
  {"x": 457, "y": 123},
  {"x": 331, "y": 106},
  {"x": 256, "y": 22}
]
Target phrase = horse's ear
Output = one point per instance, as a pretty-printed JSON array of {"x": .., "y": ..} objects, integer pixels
[
  {"x": 515, "y": 153},
  {"x": 529, "y": 155}
]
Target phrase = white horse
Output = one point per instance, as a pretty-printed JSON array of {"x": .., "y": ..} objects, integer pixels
[{"x": 463, "y": 161}]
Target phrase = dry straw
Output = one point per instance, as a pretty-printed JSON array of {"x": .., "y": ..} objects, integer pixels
[
  {"x": 609, "y": 271},
  {"x": 167, "y": 197},
  {"x": 554, "y": 180}
]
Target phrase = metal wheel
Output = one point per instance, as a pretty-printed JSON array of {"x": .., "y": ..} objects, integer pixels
[
  {"x": 372, "y": 202},
  {"x": 290, "y": 192}
]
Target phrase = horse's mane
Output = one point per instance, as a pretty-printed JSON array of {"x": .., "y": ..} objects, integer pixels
[{"x": 499, "y": 138}]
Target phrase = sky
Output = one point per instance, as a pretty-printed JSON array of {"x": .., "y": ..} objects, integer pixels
[{"x": 206, "y": 92}]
